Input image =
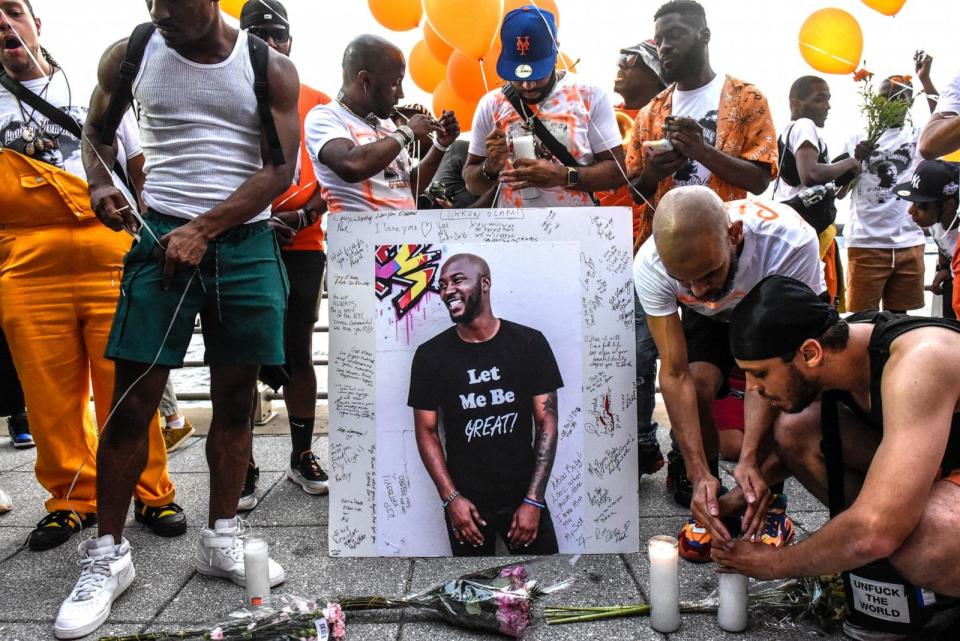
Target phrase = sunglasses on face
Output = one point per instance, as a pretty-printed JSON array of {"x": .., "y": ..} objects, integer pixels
[
  {"x": 279, "y": 34},
  {"x": 627, "y": 59}
]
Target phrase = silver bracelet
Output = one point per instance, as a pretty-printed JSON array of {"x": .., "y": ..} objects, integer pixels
[
  {"x": 447, "y": 501},
  {"x": 439, "y": 146},
  {"x": 407, "y": 133},
  {"x": 399, "y": 137}
]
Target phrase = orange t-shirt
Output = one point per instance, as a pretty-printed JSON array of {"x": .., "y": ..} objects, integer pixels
[
  {"x": 623, "y": 196},
  {"x": 305, "y": 182}
]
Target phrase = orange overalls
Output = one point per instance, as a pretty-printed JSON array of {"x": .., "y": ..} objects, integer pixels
[{"x": 60, "y": 275}]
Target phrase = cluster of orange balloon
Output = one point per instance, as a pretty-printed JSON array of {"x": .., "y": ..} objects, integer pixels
[
  {"x": 456, "y": 60},
  {"x": 831, "y": 40}
]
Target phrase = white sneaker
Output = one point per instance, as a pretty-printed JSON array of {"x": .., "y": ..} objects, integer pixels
[
  {"x": 6, "y": 503},
  {"x": 106, "y": 570},
  {"x": 220, "y": 553}
]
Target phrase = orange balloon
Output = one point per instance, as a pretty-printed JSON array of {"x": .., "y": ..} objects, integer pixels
[
  {"x": 953, "y": 156},
  {"x": 566, "y": 62},
  {"x": 232, "y": 7},
  {"x": 425, "y": 70},
  {"x": 440, "y": 49},
  {"x": 465, "y": 77},
  {"x": 446, "y": 99},
  {"x": 545, "y": 5},
  {"x": 467, "y": 25},
  {"x": 490, "y": 64},
  {"x": 831, "y": 41},
  {"x": 397, "y": 15},
  {"x": 886, "y": 7}
]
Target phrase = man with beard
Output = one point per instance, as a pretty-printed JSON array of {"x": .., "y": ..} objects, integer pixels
[
  {"x": 359, "y": 155},
  {"x": 884, "y": 246},
  {"x": 720, "y": 128},
  {"x": 704, "y": 257},
  {"x": 577, "y": 115},
  {"x": 496, "y": 384},
  {"x": 892, "y": 382},
  {"x": 804, "y": 163}
]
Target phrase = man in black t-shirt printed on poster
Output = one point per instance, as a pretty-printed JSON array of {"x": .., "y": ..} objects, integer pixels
[{"x": 495, "y": 383}]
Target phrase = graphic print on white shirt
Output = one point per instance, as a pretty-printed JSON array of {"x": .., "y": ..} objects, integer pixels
[{"x": 703, "y": 105}]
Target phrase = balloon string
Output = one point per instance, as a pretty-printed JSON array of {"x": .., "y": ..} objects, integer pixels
[
  {"x": 483, "y": 76},
  {"x": 590, "y": 123}
]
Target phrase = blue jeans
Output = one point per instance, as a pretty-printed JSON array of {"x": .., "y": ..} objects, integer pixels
[{"x": 646, "y": 376}]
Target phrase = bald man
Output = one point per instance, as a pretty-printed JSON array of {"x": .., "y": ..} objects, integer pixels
[
  {"x": 360, "y": 157},
  {"x": 496, "y": 383},
  {"x": 704, "y": 257}
]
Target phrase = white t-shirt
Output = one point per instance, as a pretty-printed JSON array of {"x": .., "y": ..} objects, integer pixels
[
  {"x": 776, "y": 242},
  {"x": 801, "y": 131},
  {"x": 949, "y": 102},
  {"x": 579, "y": 115},
  {"x": 879, "y": 219},
  {"x": 60, "y": 149},
  {"x": 703, "y": 105},
  {"x": 945, "y": 239},
  {"x": 390, "y": 189}
]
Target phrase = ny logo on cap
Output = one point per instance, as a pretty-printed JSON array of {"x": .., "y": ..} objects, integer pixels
[
  {"x": 915, "y": 183},
  {"x": 523, "y": 44}
]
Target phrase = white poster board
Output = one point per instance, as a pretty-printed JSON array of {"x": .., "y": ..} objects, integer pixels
[{"x": 565, "y": 272}]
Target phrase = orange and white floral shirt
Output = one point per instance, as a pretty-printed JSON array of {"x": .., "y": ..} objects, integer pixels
[
  {"x": 745, "y": 130},
  {"x": 389, "y": 189},
  {"x": 579, "y": 115}
]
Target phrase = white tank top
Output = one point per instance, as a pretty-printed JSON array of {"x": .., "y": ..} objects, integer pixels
[{"x": 199, "y": 129}]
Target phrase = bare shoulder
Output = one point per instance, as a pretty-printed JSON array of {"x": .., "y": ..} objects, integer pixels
[
  {"x": 926, "y": 353},
  {"x": 108, "y": 72},
  {"x": 282, "y": 68}
]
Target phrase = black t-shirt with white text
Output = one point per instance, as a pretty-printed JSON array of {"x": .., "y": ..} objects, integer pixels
[{"x": 484, "y": 392}]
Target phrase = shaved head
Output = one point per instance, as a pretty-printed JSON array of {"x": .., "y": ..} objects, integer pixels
[
  {"x": 696, "y": 242},
  {"x": 464, "y": 260},
  {"x": 368, "y": 53}
]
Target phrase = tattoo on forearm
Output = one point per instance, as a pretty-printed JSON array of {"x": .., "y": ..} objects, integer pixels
[{"x": 545, "y": 447}]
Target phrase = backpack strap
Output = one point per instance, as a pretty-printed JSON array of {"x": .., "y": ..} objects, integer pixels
[
  {"x": 259, "y": 58},
  {"x": 832, "y": 449},
  {"x": 129, "y": 68},
  {"x": 555, "y": 146}
]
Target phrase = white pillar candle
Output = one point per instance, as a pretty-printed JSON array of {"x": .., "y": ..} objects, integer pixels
[
  {"x": 664, "y": 584},
  {"x": 732, "y": 613},
  {"x": 256, "y": 566}
]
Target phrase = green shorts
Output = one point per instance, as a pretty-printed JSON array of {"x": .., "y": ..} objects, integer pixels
[{"x": 239, "y": 290}]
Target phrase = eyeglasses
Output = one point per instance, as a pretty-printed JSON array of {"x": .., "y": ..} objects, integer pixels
[
  {"x": 278, "y": 33},
  {"x": 627, "y": 58}
]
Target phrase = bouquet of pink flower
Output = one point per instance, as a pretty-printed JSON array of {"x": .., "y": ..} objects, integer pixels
[
  {"x": 285, "y": 618},
  {"x": 495, "y": 600}
]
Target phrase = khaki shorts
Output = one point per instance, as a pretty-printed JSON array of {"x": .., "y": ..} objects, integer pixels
[{"x": 891, "y": 276}]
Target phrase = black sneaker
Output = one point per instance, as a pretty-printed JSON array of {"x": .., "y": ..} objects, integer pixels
[
  {"x": 166, "y": 520},
  {"x": 306, "y": 472},
  {"x": 19, "y": 429},
  {"x": 57, "y": 527},
  {"x": 650, "y": 458},
  {"x": 677, "y": 481},
  {"x": 248, "y": 498}
]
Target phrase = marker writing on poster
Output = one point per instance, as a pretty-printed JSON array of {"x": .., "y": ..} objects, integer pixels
[
  {"x": 346, "y": 315},
  {"x": 355, "y": 401},
  {"x": 606, "y": 351},
  {"x": 354, "y": 365},
  {"x": 566, "y": 487},
  {"x": 610, "y": 461},
  {"x": 620, "y": 303},
  {"x": 603, "y": 228},
  {"x": 570, "y": 425},
  {"x": 397, "y": 490},
  {"x": 351, "y": 255}
]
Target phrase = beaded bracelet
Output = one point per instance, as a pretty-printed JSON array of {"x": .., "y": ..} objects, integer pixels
[{"x": 536, "y": 504}]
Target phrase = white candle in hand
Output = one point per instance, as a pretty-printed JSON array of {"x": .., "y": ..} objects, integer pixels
[
  {"x": 732, "y": 613},
  {"x": 664, "y": 584},
  {"x": 256, "y": 566}
]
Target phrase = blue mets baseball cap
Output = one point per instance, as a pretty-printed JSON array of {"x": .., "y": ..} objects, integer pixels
[{"x": 528, "y": 36}]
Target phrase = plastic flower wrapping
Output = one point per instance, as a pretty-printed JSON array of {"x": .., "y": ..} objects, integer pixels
[{"x": 283, "y": 618}]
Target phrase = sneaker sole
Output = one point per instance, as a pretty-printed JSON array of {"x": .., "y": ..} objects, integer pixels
[
  {"x": 207, "y": 570},
  {"x": 315, "y": 488},
  {"x": 49, "y": 545},
  {"x": 84, "y": 630},
  {"x": 183, "y": 440},
  {"x": 23, "y": 446}
]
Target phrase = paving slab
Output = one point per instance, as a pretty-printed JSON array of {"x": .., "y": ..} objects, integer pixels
[
  {"x": 284, "y": 503},
  {"x": 32, "y": 631},
  {"x": 14, "y": 459}
]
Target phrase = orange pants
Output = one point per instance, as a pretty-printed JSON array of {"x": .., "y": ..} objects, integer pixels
[{"x": 59, "y": 285}]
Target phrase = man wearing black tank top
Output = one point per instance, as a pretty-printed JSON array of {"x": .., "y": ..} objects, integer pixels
[{"x": 898, "y": 384}]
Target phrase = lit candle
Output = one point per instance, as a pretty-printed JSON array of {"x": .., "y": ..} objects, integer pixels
[
  {"x": 732, "y": 613},
  {"x": 256, "y": 565},
  {"x": 664, "y": 584}
]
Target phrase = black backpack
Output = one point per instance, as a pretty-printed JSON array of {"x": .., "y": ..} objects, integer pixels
[
  {"x": 819, "y": 215},
  {"x": 130, "y": 67}
]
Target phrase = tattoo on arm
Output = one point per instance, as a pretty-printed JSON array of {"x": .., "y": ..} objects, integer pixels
[{"x": 545, "y": 446}]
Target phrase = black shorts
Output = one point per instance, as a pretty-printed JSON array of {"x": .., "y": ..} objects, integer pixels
[
  {"x": 305, "y": 273},
  {"x": 708, "y": 341},
  {"x": 498, "y": 520}
]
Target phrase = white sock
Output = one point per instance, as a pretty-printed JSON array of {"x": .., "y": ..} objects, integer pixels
[{"x": 176, "y": 422}]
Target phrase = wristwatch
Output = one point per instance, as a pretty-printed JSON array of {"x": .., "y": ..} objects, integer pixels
[{"x": 573, "y": 176}]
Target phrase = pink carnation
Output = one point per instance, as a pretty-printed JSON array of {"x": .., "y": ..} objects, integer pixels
[
  {"x": 513, "y": 614},
  {"x": 336, "y": 619},
  {"x": 216, "y": 633},
  {"x": 517, "y": 575}
]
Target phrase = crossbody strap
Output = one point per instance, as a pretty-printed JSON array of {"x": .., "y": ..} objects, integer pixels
[{"x": 259, "y": 59}]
